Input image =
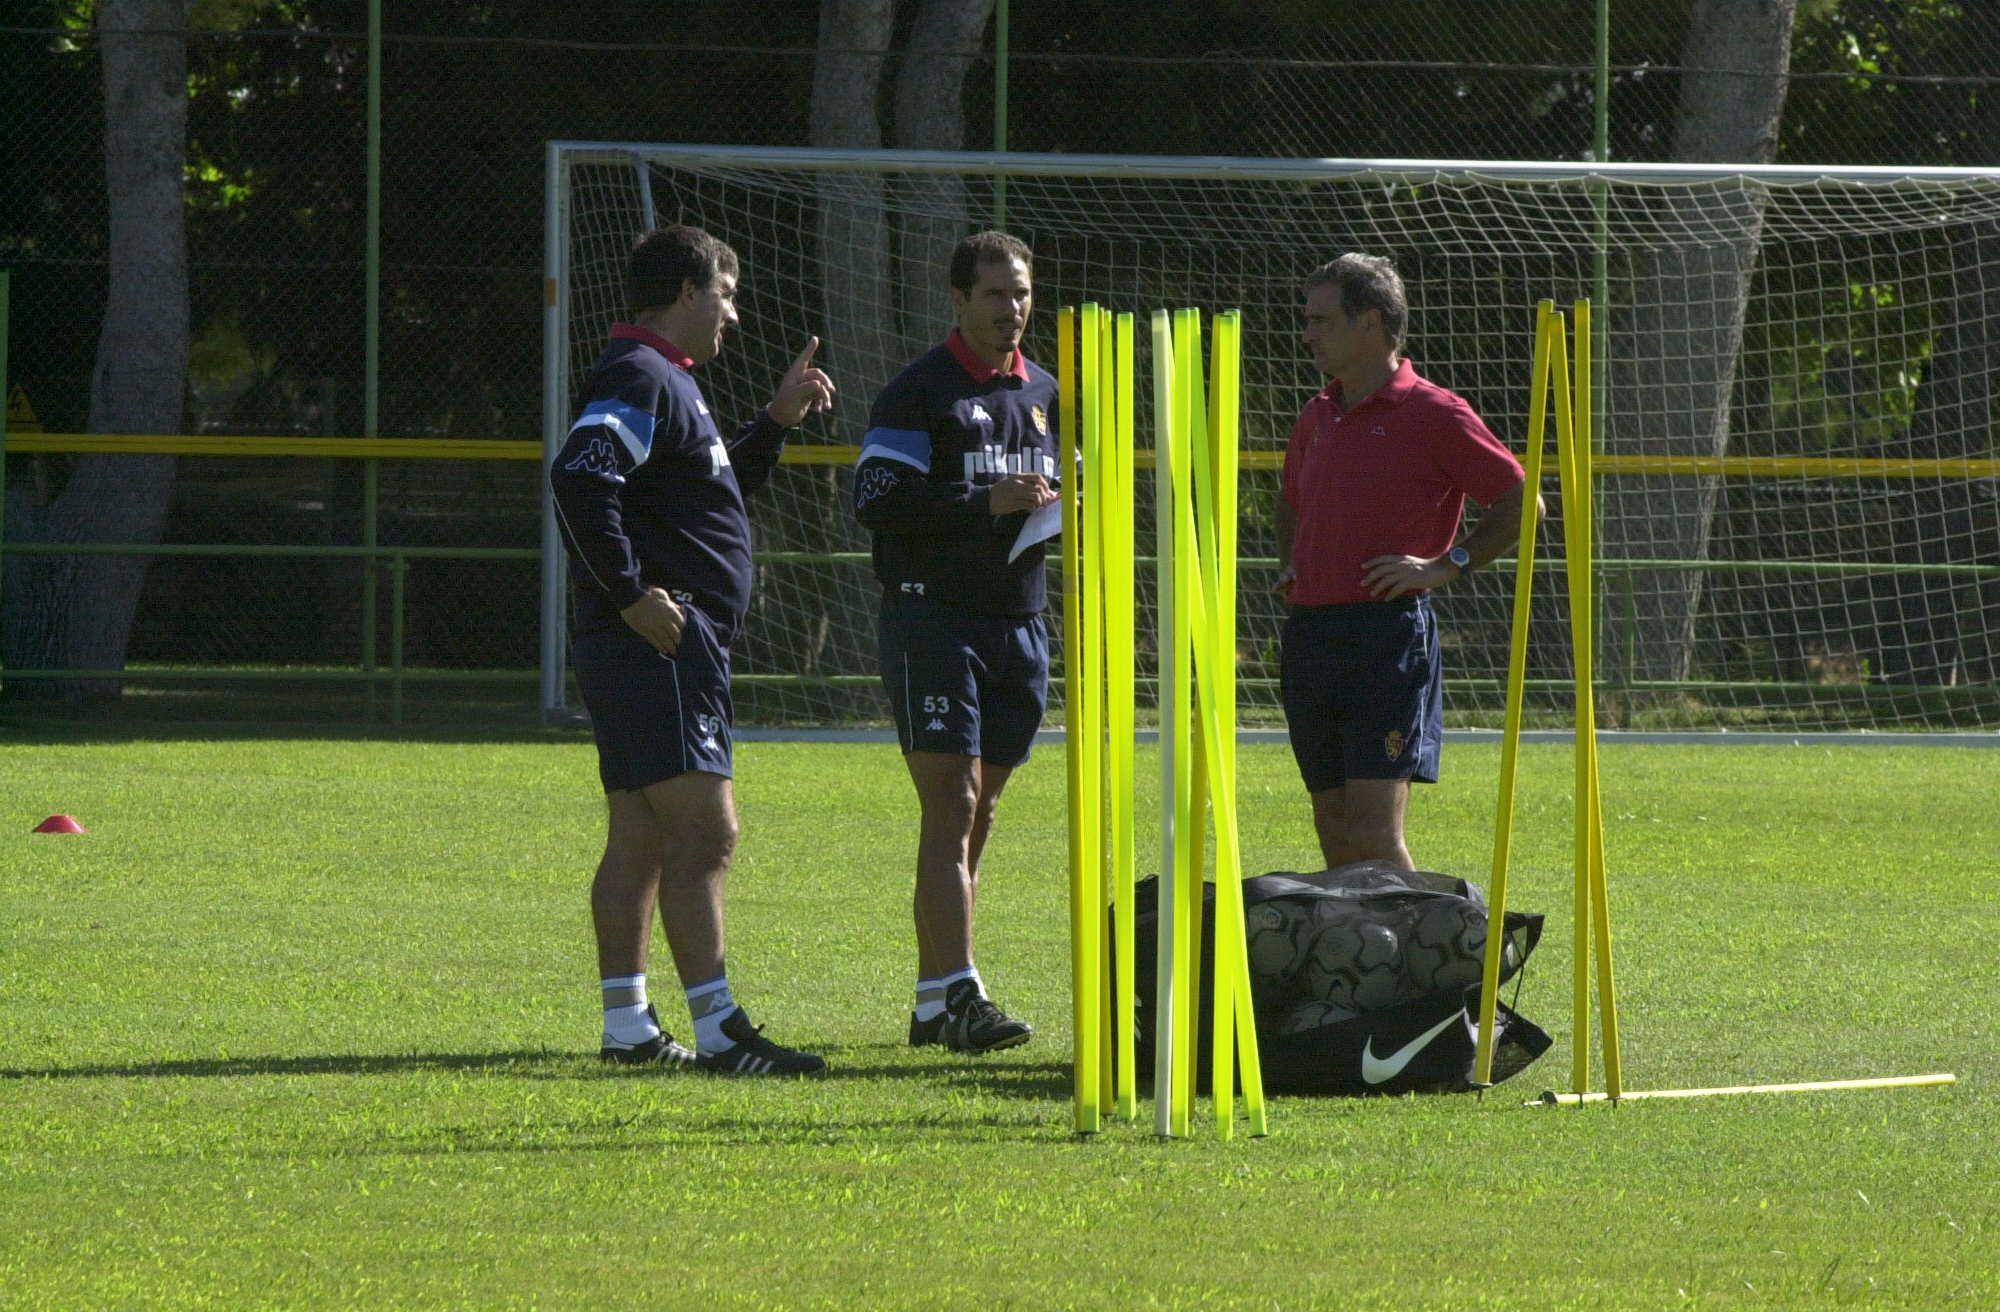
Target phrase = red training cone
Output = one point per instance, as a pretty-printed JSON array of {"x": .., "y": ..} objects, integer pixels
[{"x": 60, "y": 824}]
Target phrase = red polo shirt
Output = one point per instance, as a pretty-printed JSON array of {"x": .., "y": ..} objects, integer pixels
[{"x": 1386, "y": 478}]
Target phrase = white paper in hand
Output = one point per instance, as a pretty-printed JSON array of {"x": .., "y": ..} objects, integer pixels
[{"x": 1042, "y": 525}]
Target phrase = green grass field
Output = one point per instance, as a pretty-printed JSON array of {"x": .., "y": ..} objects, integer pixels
[{"x": 313, "y": 1023}]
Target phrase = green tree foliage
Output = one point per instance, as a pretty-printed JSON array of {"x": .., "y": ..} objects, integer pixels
[
  {"x": 1876, "y": 81},
  {"x": 275, "y": 178}
]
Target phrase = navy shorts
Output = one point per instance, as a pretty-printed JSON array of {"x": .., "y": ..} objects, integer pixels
[
  {"x": 1364, "y": 691},
  {"x": 962, "y": 681},
  {"x": 655, "y": 717}
]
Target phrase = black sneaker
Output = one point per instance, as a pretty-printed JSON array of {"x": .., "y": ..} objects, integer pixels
[
  {"x": 753, "y": 1054},
  {"x": 923, "y": 1033},
  {"x": 971, "y": 1023},
  {"x": 660, "y": 1050}
]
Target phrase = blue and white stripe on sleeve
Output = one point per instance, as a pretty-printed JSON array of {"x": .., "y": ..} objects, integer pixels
[
  {"x": 633, "y": 425},
  {"x": 912, "y": 446}
]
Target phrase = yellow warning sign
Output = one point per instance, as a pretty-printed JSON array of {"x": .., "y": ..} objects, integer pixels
[{"x": 21, "y": 415}]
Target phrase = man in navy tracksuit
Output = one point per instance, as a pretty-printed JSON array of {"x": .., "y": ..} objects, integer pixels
[
  {"x": 650, "y": 500},
  {"x": 961, "y": 447}
]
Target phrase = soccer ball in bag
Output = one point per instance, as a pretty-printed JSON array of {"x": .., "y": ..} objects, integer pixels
[
  {"x": 1278, "y": 936},
  {"x": 1356, "y": 965},
  {"x": 1448, "y": 947}
]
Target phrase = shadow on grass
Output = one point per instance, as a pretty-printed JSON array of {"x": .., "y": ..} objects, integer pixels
[
  {"x": 538, "y": 1063},
  {"x": 1013, "y": 1079},
  {"x": 996, "y": 1075}
]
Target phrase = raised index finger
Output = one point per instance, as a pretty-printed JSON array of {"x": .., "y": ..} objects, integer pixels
[{"x": 804, "y": 361}]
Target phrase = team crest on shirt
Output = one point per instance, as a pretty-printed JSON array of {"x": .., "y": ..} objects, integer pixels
[
  {"x": 1393, "y": 744},
  {"x": 1041, "y": 419}
]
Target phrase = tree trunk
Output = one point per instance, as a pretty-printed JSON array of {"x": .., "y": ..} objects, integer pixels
[
  {"x": 75, "y": 612},
  {"x": 853, "y": 231},
  {"x": 1674, "y": 347},
  {"x": 930, "y": 115},
  {"x": 859, "y": 347}
]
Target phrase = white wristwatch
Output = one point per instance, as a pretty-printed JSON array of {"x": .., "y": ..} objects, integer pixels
[{"x": 1460, "y": 557}]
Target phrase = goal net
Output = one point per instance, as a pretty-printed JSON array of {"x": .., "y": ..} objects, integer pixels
[{"x": 1798, "y": 483}]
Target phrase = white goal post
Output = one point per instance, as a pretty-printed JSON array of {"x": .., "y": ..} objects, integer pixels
[{"x": 1799, "y": 482}]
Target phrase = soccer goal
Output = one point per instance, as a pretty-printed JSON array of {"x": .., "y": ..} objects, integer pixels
[{"x": 1798, "y": 479}]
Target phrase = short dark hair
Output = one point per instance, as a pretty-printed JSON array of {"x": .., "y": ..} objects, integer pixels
[
  {"x": 989, "y": 247},
  {"x": 666, "y": 259},
  {"x": 1367, "y": 282}
]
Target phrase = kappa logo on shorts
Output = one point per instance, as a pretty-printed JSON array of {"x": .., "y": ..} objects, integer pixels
[
  {"x": 1393, "y": 744},
  {"x": 934, "y": 726},
  {"x": 710, "y": 726}
]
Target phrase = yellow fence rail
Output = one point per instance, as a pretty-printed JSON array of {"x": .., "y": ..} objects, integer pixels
[{"x": 449, "y": 448}]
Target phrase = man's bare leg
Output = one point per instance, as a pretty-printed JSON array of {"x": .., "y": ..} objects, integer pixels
[
  {"x": 1362, "y": 820},
  {"x": 695, "y": 816},
  {"x": 957, "y": 796},
  {"x": 668, "y": 845},
  {"x": 948, "y": 796}
]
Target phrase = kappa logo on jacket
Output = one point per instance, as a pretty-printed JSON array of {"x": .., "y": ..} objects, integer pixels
[{"x": 599, "y": 458}]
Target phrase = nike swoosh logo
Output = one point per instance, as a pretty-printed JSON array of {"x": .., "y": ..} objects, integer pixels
[{"x": 1377, "y": 1070}]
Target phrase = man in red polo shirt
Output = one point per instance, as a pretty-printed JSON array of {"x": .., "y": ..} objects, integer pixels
[{"x": 1376, "y": 478}]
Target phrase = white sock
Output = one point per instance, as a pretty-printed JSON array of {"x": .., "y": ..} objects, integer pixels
[
  {"x": 710, "y": 1004},
  {"x": 930, "y": 999},
  {"x": 625, "y": 1018},
  {"x": 971, "y": 973}
]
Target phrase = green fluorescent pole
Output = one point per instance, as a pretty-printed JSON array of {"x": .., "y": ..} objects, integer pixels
[
  {"x": 371, "y": 384},
  {"x": 1000, "y": 108}
]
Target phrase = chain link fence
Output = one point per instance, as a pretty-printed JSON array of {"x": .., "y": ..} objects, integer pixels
[{"x": 277, "y": 187}]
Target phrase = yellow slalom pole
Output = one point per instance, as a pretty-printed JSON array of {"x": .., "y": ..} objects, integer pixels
[
  {"x": 1166, "y": 1035},
  {"x": 1122, "y": 713},
  {"x": 1600, "y": 895},
  {"x": 1083, "y": 1005},
  {"x": 1215, "y": 730},
  {"x": 1573, "y": 519},
  {"x": 1553, "y": 1099},
  {"x": 1189, "y": 845},
  {"x": 1234, "y": 1021},
  {"x": 1517, "y": 663},
  {"x": 1201, "y": 618},
  {"x": 1228, "y": 444},
  {"x": 1105, "y": 477},
  {"x": 1091, "y": 703}
]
